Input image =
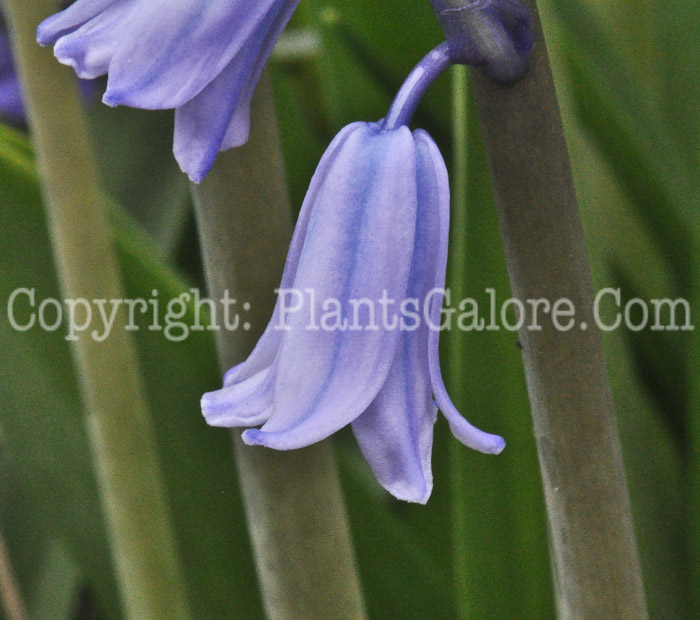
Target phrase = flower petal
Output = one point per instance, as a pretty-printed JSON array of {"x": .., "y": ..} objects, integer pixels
[
  {"x": 165, "y": 67},
  {"x": 89, "y": 48},
  {"x": 432, "y": 177},
  {"x": 395, "y": 433},
  {"x": 358, "y": 245},
  {"x": 65, "y": 22},
  {"x": 243, "y": 404},
  {"x": 264, "y": 353},
  {"x": 239, "y": 125},
  {"x": 218, "y": 117}
]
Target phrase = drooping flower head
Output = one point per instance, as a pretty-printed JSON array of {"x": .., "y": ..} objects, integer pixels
[
  {"x": 354, "y": 336},
  {"x": 202, "y": 58},
  {"x": 373, "y": 227}
]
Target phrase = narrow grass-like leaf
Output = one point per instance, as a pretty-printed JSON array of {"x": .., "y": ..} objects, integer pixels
[{"x": 43, "y": 428}]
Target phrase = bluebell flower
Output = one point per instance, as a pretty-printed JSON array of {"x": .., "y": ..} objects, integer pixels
[
  {"x": 202, "y": 58},
  {"x": 373, "y": 226},
  {"x": 11, "y": 108}
]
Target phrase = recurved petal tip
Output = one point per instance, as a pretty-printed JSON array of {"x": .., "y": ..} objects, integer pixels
[{"x": 247, "y": 403}]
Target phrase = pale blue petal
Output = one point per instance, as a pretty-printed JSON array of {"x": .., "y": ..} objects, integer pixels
[
  {"x": 239, "y": 125},
  {"x": 434, "y": 175},
  {"x": 201, "y": 124},
  {"x": 358, "y": 245},
  {"x": 218, "y": 117},
  {"x": 200, "y": 57},
  {"x": 56, "y": 26},
  {"x": 245, "y": 399},
  {"x": 246, "y": 403},
  {"x": 89, "y": 48},
  {"x": 265, "y": 352},
  {"x": 166, "y": 66},
  {"x": 395, "y": 434}
]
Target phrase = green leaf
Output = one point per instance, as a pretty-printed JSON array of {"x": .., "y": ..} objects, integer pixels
[
  {"x": 498, "y": 521},
  {"x": 42, "y": 420}
]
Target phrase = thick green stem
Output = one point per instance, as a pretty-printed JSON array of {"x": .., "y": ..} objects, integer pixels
[
  {"x": 459, "y": 190},
  {"x": 594, "y": 551},
  {"x": 128, "y": 473},
  {"x": 293, "y": 499}
]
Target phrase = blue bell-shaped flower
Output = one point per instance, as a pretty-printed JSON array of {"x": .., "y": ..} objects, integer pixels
[{"x": 354, "y": 336}]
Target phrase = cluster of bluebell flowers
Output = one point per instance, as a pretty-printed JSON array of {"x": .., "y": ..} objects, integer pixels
[{"x": 374, "y": 223}]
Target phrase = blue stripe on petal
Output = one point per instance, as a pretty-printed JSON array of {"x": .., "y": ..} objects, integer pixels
[
  {"x": 265, "y": 352},
  {"x": 218, "y": 117},
  {"x": 359, "y": 244}
]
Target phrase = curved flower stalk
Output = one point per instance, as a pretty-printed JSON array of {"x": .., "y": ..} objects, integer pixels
[
  {"x": 373, "y": 226},
  {"x": 494, "y": 34},
  {"x": 11, "y": 108},
  {"x": 202, "y": 58}
]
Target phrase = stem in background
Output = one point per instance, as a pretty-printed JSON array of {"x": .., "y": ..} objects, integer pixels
[
  {"x": 293, "y": 500},
  {"x": 459, "y": 185},
  {"x": 593, "y": 546},
  {"x": 128, "y": 471},
  {"x": 10, "y": 595}
]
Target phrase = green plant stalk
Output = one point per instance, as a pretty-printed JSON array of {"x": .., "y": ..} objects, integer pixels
[
  {"x": 119, "y": 426},
  {"x": 294, "y": 504},
  {"x": 458, "y": 225},
  {"x": 594, "y": 552}
]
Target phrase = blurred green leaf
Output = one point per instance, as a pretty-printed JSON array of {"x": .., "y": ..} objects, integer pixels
[
  {"x": 640, "y": 205},
  {"x": 502, "y": 557},
  {"x": 135, "y": 155},
  {"x": 635, "y": 162},
  {"x": 42, "y": 421}
]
